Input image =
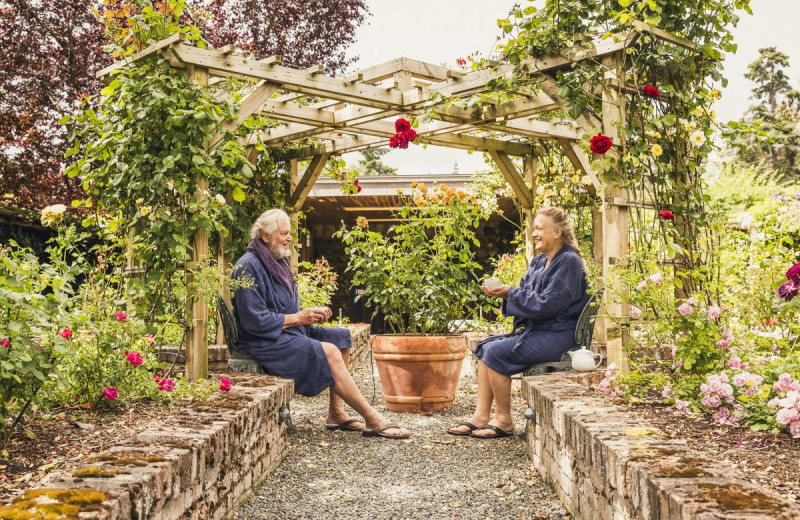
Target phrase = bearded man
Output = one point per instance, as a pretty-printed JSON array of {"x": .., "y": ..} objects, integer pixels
[{"x": 279, "y": 334}]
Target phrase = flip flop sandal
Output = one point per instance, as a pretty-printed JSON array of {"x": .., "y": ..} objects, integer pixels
[
  {"x": 378, "y": 432},
  {"x": 344, "y": 426},
  {"x": 469, "y": 425},
  {"x": 498, "y": 433}
]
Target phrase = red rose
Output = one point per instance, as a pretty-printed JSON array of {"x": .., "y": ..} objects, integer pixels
[
  {"x": 410, "y": 135},
  {"x": 461, "y": 61},
  {"x": 358, "y": 188},
  {"x": 600, "y": 144},
  {"x": 120, "y": 316},
  {"x": 666, "y": 215},
  {"x": 66, "y": 333},
  {"x": 401, "y": 125},
  {"x": 393, "y": 142},
  {"x": 651, "y": 91},
  {"x": 5, "y": 342},
  {"x": 134, "y": 358},
  {"x": 402, "y": 142}
]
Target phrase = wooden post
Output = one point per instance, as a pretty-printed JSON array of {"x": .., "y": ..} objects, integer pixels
[
  {"x": 197, "y": 343},
  {"x": 531, "y": 168},
  {"x": 223, "y": 265},
  {"x": 294, "y": 179},
  {"x": 614, "y": 218}
]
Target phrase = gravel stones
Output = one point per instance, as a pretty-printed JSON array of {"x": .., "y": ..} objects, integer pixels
[{"x": 431, "y": 476}]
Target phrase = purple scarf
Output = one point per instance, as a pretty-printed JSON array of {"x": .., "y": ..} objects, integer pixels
[{"x": 279, "y": 269}]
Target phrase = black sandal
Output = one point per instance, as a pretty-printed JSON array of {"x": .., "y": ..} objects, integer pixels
[
  {"x": 469, "y": 425},
  {"x": 498, "y": 433}
]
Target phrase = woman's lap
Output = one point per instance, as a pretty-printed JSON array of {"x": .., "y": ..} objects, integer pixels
[{"x": 499, "y": 352}]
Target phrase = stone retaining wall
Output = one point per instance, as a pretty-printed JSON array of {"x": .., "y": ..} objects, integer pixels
[
  {"x": 604, "y": 464},
  {"x": 218, "y": 354},
  {"x": 200, "y": 464}
]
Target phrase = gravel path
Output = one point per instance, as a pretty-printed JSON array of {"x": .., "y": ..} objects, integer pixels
[{"x": 432, "y": 476}]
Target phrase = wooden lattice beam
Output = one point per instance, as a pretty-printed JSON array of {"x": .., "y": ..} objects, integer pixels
[
  {"x": 523, "y": 192},
  {"x": 305, "y": 184}
]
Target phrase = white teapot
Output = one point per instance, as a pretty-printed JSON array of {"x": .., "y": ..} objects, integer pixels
[{"x": 583, "y": 360}]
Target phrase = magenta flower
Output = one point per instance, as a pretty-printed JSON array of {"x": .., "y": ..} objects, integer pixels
[
  {"x": 225, "y": 385},
  {"x": 685, "y": 309},
  {"x": 66, "y": 333},
  {"x": 794, "y": 272},
  {"x": 166, "y": 385},
  {"x": 135, "y": 358},
  {"x": 120, "y": 316},
  {"x": 110, "y": 393},
  {"x": 150, "y": 339},
  {"x": 5, "y": 342},
  {"x": 788, "y": 290}
]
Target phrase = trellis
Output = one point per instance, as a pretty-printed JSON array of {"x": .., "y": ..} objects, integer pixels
[{"x": 356, "y": 112}]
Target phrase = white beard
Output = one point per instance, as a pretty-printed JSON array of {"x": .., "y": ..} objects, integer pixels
[{"x": 280, "y": 252}]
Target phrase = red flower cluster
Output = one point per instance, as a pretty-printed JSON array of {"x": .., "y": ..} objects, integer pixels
[
  {"x": 651, "y": 91},
  {"x": 357, "y": 185},
  {"x": 600, "y": 144},
  {"x": 666, "y": 215},
  {"x": 405, "y": 134},
  {"x": 461, "y": 62},
  {"x": 225, "y": 385},
  {"x": 110, "y": 393},
  {"x": 120, "y": 316},
  {"x": 134, "y": 358},
  {"x": 66, "y": 333}
]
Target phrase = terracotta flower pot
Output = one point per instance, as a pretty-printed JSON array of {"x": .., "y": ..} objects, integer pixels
[{"x": 419, "y": 374}]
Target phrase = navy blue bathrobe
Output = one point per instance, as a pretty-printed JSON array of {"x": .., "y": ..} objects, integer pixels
[
  {"x": 545, "y": 307},
  {"x": 292, "y": 353}
]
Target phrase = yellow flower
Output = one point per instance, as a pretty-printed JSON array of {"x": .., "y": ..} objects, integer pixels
[
  {"x": 53, "y": 214},
  {"x": 422, "y": 187},
  {"x": 568, "y": 196},
  {"x": 698, "y": 111},
  {"x": 399, "y": 191},
  {"x": 413, "y": 184},
  {"x": 698, "y": 138},
  {"x": 145, "y": 210},
  {"x": 500, "y": 212},
  {"x": 443, "y": 187},
  {"x": 552, "y": 170},
  {"x": 713, "y": 115},
  {"x": 658, "y": 135},
  {"x": 564, "y": 191},
  {"x": 656, "y": 150},
  {"x": 434, "y": 198},
  {"x": 716, "y": 94},
  {"x": 361, "y": 222},
  {"x": 576, "y": 178},
  {"x": 139, "y": 201}
]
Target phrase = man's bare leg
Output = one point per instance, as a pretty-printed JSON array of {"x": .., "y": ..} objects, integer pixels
[
  {"x": 483, "y": 407},
  {"x": 336, "y": 411},
  {"x": 346, "y": 388}
]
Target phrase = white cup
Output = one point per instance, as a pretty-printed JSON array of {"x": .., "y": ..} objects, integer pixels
[{"x": 491, "y": 283}]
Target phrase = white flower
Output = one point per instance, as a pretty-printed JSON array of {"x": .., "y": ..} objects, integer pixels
[
  {"x": 170, "y": 184},
  {"x": 698, "y": 138},
  {"x": 219, "y": 198},
  {"x": 53, "y": 214}
]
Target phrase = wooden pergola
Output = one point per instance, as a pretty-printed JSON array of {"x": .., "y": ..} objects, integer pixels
[{"x": 356, "y": 112}]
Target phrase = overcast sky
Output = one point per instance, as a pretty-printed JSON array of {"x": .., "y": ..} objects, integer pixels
[{"x": 441, "y": 31}]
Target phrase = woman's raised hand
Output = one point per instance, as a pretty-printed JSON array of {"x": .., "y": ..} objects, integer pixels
[{"x": 501, "y": 291}]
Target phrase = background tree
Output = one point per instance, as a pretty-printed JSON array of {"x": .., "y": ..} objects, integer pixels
[
  {"x": 302, "y": 32},
  {"x": 372, "y": 163},
  {"x": 767, "y": 134},
  {"x": 50, "y": 53}
]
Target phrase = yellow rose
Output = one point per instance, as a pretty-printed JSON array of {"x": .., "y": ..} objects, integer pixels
[
  {"x": 656, "y": 150},
  {"x": 698, "y": 111},
  {"x": 145, "y": 210},
  {"x": 139, "y": 201},
  {"x": 576, "y": 178}
]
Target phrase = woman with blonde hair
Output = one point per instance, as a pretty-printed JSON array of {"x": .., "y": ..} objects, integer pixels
[{"x": 545, "y": 307}]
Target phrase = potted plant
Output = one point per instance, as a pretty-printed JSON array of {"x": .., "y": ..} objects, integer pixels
[{"x": 422, "y": 276}]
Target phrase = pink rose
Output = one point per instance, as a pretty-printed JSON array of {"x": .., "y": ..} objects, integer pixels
[
  {"x": 166, "y": 385},
  {"x": 150, "y": 339},
  {"x": 636, "y": 312},
  {"x": 711, "y": 401},
  {"x": 641, "y": 285},
  {"x": 656, "y": 278},
  {"x": 66, "y": 333},
  {"x": 794, "y": 429},
  {"x": 713, "y": 312},
  {"x": 722, "y": 415},
  {"x": 134, "y": 358},
  {"x": 682, "y": 406},
  {"x": 110, "y": 393},
  {"x": 685, "y": 309},
  {"x": 120, "y": 316},
  {"x": 225, "y": 385},
  {"x": 786, "y": 416},
  {"x": 774, "y": 402}
]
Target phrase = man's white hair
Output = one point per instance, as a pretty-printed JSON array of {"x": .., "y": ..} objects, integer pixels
[{"x": 269, "y": 221}]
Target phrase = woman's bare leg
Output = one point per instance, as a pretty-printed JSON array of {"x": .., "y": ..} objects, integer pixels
[{"x": 483, "y": 407}]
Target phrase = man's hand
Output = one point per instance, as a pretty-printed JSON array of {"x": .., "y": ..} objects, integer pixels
[
  {"x": 501, "y": 291},
  {"x": 311, "y": 316}
]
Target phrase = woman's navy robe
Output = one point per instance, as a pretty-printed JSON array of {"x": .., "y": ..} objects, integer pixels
[
  {"x": 545, "y": 307},
  {"x": 292, "y": 353}
]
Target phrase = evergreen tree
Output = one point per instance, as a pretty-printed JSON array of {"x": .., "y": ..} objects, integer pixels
[{"x": 372, "y": 164}]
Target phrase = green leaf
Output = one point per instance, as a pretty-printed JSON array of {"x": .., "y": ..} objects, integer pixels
[{"x": 238, "y": 194}]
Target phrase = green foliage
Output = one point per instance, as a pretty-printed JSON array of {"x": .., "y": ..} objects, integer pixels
[
  {"x": 422, "y": 274},
  {"x": 372, "y": 164},
  {"x": 316, "y": 286}
]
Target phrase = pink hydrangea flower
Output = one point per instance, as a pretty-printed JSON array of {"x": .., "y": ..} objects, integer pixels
[
  {"x": 110, "y": 393},
  {"x": 225, "y": 385},
  {"x": 635, "y": 312},
  {"x": 735, "y": 362},
  {"x": 134, "y": 358},
  {"x": 786, "y": 416},
  {"x": 166, "y": 385},
  {"x": 685, "y": 309},
  {"x": 120, "y": 316},
  {"x": 723, "y": 415},
  {"x": 713, "y": 312},
  {"x": 65, "y": 333},
  {"x": 791, "y": 400}
]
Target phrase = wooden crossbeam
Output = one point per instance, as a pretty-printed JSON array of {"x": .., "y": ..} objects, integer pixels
[
  {"x": 175, "y": 38},
  {"x": 509, "y": 171},
  {"x": 587, "y": 121},
  {"x": 310, "y": 176},
  {"x": 580, "y": 162},
  {"x": 290, "y": 79},
  {"x": 249, "y": 106},
  {"x": 664, "y": 35}
]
